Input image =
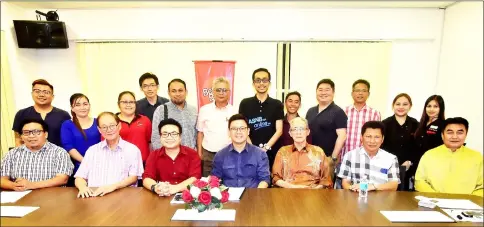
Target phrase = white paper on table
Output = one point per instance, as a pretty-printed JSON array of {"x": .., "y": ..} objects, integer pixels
[
  {"x": 16, "y": 211},
  {"x": 416, "y": 216},
  {"x": 209, "y": 215},
  {"x": 12, "y": 197},
  {"x": 455, "y": 203},
  {"x": 235, "y": 193},
  {"x": 453, "y": 213}
]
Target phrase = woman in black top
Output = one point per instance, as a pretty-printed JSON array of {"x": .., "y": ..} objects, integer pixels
[
  {"x": 429, "y": 131},
  {"x": 399, "y": 135}
]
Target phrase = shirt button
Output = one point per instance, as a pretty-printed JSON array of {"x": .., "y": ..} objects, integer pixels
[{"x": 174, "y": 173}]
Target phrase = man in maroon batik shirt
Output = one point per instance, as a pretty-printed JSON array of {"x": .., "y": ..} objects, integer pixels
[{"x": 172, "y": 167}]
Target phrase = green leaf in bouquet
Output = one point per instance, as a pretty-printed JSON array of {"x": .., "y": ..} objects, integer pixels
[
  {"x": 215, "y": 200},
  {"x": 201, "y": 208}
]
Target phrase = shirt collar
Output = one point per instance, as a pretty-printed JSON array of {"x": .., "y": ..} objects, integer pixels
[
  {"x": 46, "y": 146},
  {"x": 223, "y": 108},
  {"x": 265, "y": 101},
  {"x": 183, "y": 151},
  {"x": 459, "y": 150},
  {"x": 364, "y": 107},
  {"x": 363, "y": 151},
  {"x": 176, "y": 107},
  {"x": 305, "y": 148},
  {"x": 104, "y": 144},
  {"x": 136, "y": 117},
  {"x": 232, "y": 149}
]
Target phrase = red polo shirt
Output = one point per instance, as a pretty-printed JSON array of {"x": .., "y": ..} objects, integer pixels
[
  {"x": 138, "y": 132},
  {"x": 160, "y": 167}
]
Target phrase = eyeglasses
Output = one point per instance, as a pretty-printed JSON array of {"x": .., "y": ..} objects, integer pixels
[
  {"x": 146, "y": 86},
  {"x": 172, "y": 134},
  {"x": 238, "y": 129},
  {"x": 105, "y": 128},
  {"x": 258, "y": 81},
  {"x": 360, "y": 91},
  {"x": 38, "y": 92},
  {"x": 34, "y": 132},
  {"x": 220, "y": 90},
  {"x": 298, "y": 129},
  {"x": 128, "y": 102}
]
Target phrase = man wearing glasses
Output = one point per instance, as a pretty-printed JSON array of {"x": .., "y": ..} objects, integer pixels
[
  {"x": 265, "y": 115},
  {"x": 110, "y": 164},
  {"x": 173, "y": 167},
  {"x": 212, "y": 123},
  {"x": 37, "y": 163},
  {"x": 301, "y": 165},
  {"x": 42, "y": 94},
  {"x": 149, "y": 85},
  {"x": 241, "y": 164}
]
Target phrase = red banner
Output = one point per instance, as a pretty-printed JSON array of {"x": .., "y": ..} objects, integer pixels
[{"x": 205, "y": 72}]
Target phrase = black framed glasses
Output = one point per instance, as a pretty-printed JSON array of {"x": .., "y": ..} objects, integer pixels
[
  {"x": 172, "y": 134},
  {"x": 44, "y": 92},
  {"x": 34, "y": 132},
  {"x": 258, "y": 81},
  {"x": 146, "y": 86},
  {"x": 234, "y": 129}
]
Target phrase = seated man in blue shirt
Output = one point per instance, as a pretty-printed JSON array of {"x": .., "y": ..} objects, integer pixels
[{"x": 241, "y": 164}]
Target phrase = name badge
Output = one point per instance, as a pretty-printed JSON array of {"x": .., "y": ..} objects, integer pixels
[{"x": 384, "y": 171}]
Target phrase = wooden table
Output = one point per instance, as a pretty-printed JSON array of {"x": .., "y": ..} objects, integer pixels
[{"x": 259, "y": 207}]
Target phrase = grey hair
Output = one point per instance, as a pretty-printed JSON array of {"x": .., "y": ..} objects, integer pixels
[
  {"x": 220, "y": 80},
  {"x": 300, "y": 119}
]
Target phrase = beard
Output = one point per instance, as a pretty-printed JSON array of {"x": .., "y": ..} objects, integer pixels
[{"x": 177, "y": 102}]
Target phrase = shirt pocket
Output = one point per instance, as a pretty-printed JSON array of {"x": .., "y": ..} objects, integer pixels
[
  {"x": 250, "y": 169},
  {"x": 229, "y": 171}
]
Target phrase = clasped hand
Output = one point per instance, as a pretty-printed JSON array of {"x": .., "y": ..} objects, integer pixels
[
  {"x": 86, "y": 192},
  {"x": 165, "y": 189}
]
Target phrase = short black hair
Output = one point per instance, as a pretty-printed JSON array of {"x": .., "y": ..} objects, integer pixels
[
  {"x": 261, "y": 70},
  {"x": 169, "y": 121},
  {"x": 457, "y": 121},
  {"x": 293, "y": 93},
  {"x": 148, "y": 76},
  {"x": 361, "y": 81},
  {"x": 42, "y": 123},
  {"x": 326, "y": 81},
  {"x": 236, "y": 117},
  {"x": 179, "y": 81},
  {"x": 373, "y": 125}
]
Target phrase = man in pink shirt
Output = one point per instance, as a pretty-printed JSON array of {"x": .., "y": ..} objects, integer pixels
[
  {"x": 213, "y": 122},
  {"x": 109, "y": 165},
  {"x": 358, "y": 114}
]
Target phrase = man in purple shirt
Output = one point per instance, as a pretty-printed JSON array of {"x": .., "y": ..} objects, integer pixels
[
  {"x": 111, "y": 164},
  {"x": 241, "y": 164}
]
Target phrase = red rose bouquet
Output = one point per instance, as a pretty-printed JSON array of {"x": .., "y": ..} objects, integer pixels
[{"x": 205, "y": 194}]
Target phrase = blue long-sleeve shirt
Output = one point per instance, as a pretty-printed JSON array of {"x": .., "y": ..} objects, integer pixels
[
  {"x": 72, "y": 138},
  {"x": 245, "y": 169}
]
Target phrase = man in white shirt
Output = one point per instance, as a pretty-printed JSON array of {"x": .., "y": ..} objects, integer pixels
[{"x": 212, "y": 124}]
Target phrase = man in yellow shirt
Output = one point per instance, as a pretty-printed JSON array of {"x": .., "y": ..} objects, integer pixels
[{"x": 451, "y": 167}]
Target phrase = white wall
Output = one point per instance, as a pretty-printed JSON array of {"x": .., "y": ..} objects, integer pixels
[
  {"x": 22, "y": 62},
  {"x": 460, "y": 79},
  {"x": 416, "y": 35}
]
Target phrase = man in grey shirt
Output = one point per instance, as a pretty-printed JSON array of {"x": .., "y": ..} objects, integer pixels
[{"x": 179, "y": 110}]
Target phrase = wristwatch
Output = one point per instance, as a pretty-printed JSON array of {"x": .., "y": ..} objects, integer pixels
[
  {"x": 153, "y": 188},
  {"x": 334, "y": 159}
]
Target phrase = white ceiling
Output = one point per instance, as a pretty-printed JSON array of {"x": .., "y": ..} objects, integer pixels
[{"x": 229, "y": 4}]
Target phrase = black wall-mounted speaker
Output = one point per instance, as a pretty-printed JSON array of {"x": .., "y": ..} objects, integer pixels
[{"x": 41, "y": 34}]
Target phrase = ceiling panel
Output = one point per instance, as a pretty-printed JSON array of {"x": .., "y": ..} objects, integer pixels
[{"x": 229, "y": 4}]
